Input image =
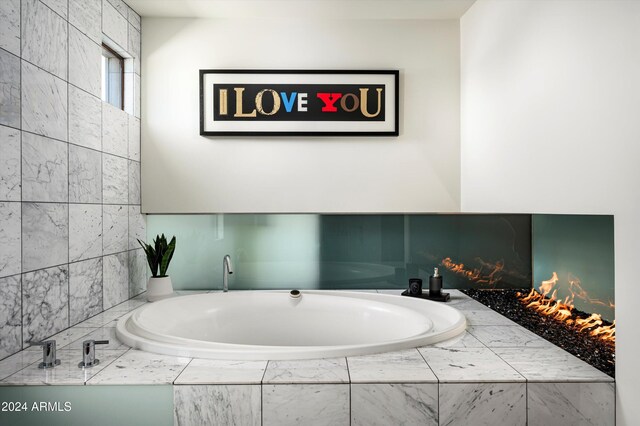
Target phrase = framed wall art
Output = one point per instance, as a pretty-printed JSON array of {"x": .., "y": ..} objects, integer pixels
[{"x": 299, "y": 103}]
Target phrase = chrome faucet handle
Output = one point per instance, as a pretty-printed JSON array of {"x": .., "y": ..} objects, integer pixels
[
  {"x": 49, "y": 359},
  {"x": 89, "y": 353}
]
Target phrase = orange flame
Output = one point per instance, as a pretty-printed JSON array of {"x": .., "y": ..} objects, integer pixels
[
  {"x": 547, "y": 304},
  {"x": 477, "y": 275}
]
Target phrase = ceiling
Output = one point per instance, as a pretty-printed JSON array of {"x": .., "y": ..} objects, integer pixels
[{"x": 303, "y": 9}]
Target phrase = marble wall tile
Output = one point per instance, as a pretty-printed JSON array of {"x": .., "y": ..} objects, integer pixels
[
  {"x": 10, "y": 25},
  {"x": 325, "y": 404},
  {"x": 44, "y": 38},
  {"x": 143, "y": 368},
  {"x": 134, "y": 19},
  {"x": 326, "y": 370},
  {"x": 85, "y": 62},
  {"x": 483, "y": 404},
  {"x": 397, "y": 367},
  {"x": 45, "y": 235},
  {"x": 45, "y": 169},
  {"x": 10, "y": 315},
  {"x": 44, "y": 103},
  {"x": 86, "y": 15},
  {"x": 136, "y": 93},
  {"x": 10, "y": 238},
  {"x": 114, "y": 25},
  {"x": 10, "y": 181},
  {"x": 115, "y": 180},
  {"x": 134, "y": 48},
  {"x": 9, "y": 89},
  {"x": 468, "y": 365},
  {"x": 137, "y": 272},
  {"x": 115, "y": 276},
  {"x": 137, "y": 227},
  {"x": 549, "y": 364},
  {"x": 85, "y": 175},
  {"x": 45, "y": 298},
  {"x": 85, "y": 119},
  {"x": 571, "y": 404},
  {"x": 85, "y": 290},
  {"x": 134, "y": 138},
  {"x": 85, "y": 231},
  {"x": 120, "y": 6},
  {"x": 501, "y": 336},
  {"x": 115, "y": 130},
  {"x": 222, "y": 372},
  {"x": 115, "y": 228},
  {"x": 129, "y": 90},
  {"x": 134, "y": 182},
  {"x": 394, "y": 404},
  {"x": 227, "y": 405},
  {"x": 58, "y": 6}
]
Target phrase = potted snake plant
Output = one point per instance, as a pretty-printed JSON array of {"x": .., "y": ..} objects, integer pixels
[{"x": 159, "y": 256}]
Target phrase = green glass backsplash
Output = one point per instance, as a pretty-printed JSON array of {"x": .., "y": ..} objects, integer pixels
[
  {"x": 283, "y": 251},
  {"x": 579, "y": 250}
]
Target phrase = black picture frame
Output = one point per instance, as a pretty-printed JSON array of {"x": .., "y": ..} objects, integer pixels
[{"x": 391, "y": 119}]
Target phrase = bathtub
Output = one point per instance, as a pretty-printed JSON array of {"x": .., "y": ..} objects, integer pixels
[{"x": 275, "y": 325}]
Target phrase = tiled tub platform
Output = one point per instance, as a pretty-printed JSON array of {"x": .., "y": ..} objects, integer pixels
[{"x": 497, "y": 373}]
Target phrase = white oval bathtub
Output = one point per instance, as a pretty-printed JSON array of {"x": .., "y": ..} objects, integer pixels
[{"x": 271, "y": 325}]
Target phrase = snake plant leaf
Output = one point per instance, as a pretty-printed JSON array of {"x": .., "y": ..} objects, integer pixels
[{"x": 166, "y": 256}]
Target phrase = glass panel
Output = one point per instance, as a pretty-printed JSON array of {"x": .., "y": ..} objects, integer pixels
[
  {"x": 112, "y": 77},
  {"x": 347, "y": 251},
  {"x": 575, "y": 253}
]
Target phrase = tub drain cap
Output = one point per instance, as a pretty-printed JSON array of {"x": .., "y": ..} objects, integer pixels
[{"x": 294, "y": 294}]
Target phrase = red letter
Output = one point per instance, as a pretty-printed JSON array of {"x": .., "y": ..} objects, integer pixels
[{"x": 329, "y": 99}]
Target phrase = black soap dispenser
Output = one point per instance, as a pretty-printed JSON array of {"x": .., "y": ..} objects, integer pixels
[{"x": 435, "y": 288}]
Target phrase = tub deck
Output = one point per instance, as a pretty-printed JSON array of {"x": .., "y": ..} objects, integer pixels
[{"x": 497, "y": 372}]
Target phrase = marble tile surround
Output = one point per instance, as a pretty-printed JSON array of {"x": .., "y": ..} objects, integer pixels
[
  {"x": 85, "y": 66},
  {"x": 51, "y": 120},
  {"x": 44, "y": 303},
  {"x": 394, "y": 404},
  {"x": 10, "y": 179},
  {"x": 44, "y": 37},
  {"x": 10, "y": 26},
  {"x": 85, "y": 289},
  {"x": 115, "y": 228},
  {"x": 115, "y": 181},
  {"x": 209, "y": 383},
  {"x": 45, "y": 169},
  {"x": 10, "y": 315},
  {"x": 293, "y": 404},
  {"x": 114, "y": 25},
  {"x": 44, "y": 103},
  {"x": 9, "y": 89},
  {"x": 10, "y": 239},
  {"x": 85, "y": 119},
  {"x": 85, "y": 175},
  {"x": 45, "y": 235},
  {"x": 199, "y": 405},
  {"x": 85, "y": 15},
  {"x": 115, "y": 275},
  {"x": 85, "y": 231},
  {"x": 483, "y": 404}
]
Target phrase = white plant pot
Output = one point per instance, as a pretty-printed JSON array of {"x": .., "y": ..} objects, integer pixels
[{"x": 159, "y": 288}]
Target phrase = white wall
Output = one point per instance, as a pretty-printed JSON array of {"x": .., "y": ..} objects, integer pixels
[
  {"x": 550, "y": 111},
  {"x": 415, "y": 172}
]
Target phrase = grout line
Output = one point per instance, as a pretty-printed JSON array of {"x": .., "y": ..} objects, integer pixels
[
  {"x": 68, "y": 184},
  {"x": 21, "y": 186}
]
